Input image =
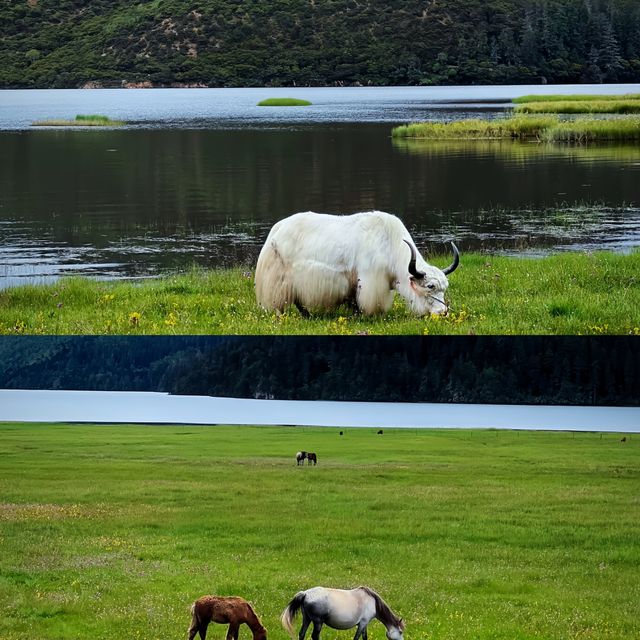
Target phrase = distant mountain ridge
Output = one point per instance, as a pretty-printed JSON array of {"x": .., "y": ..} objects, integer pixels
[
  {"x": 113, "y": 43},
  {"x": 569, "y": 370}
]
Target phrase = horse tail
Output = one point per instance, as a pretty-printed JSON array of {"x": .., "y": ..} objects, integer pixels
[
  {"x": 198, "y": 625},
  {"x": 195, "y": 623},
  {"x": 290, "y": 612}
]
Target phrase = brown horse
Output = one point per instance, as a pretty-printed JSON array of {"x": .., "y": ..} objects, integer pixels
[{"x": 231, "y": 610}]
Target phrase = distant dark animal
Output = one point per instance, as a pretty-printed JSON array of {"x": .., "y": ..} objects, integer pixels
[
  {"x": 231, "y": 610},
  {"x": 341, "y": 433},
  {"x": 300, "y": 457},
  {"x": 380, "y": 432},
  {"x": 340, "y": 609},
  {"x": 312, "y": 458},
  {"x": 624, "y": 439}
]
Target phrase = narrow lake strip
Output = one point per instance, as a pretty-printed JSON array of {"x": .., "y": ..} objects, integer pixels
[{"x": 161, "y": 408}]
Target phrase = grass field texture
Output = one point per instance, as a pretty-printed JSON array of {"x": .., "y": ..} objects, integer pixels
[
  {"x": 568, "y": 293},
  {"x": 110, "y": 532}
]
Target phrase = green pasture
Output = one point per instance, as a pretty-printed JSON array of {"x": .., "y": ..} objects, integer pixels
[
  {"x": 110, "y": 532},
  {"x": 569, "y": 293}
]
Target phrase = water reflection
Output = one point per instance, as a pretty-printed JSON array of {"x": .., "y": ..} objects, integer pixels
[{"x": 142, "y": 202}]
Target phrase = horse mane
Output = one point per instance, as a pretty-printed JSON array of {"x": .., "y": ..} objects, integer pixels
[{"x": 383, "y": 611}]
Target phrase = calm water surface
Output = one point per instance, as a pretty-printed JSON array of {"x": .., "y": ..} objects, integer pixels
[
  {"x": 162, "y": 408},
  {"x": 200, "y": 176}
]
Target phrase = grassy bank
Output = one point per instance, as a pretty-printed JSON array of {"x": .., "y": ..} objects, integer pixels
[
  {"x": 574, "y": 97},
  {"x": 283, "y": 102},
  {"x": 579, "y": 106},
  {"x": 546, "y": 128},
  {"x": 81, "y": 121},
  {"x": 561, "y": 294},
  {"x": 110, "y": 532}
]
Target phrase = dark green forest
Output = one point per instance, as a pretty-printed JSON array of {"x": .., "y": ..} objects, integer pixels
[
  {"x": 596, "y": 370},
  {"x": 216, "y": 43}
]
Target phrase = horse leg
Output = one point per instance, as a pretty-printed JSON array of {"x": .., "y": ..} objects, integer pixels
[
  {"x": 201, "y": 629},
  {"x": 232, "y": 631},
  {"x": 317, "y": 626},
  {"x": 193, "y": 629},
  {"x": 306, "y": 620},
  {"x": 361, "y": 632},
  {"x": 198, "y": 626}
]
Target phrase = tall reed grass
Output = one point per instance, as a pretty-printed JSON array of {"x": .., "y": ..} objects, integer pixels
[
  {"x": 549, "y": 128},
  {"x": 574, "y": 98},
  {"x": 579, "y": 106}
]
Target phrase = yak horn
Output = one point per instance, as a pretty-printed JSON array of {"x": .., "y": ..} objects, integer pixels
[
  {"x": 412, "y": 263},
  {"x": 456, "y": 261}
]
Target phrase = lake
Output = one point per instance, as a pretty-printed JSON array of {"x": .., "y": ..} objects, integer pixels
[
  {"x": 162, "y": 408},
  {"x": 199, "y": 176}
]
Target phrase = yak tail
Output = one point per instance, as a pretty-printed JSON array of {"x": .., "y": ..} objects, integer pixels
[{"x": 290, "y": 612}]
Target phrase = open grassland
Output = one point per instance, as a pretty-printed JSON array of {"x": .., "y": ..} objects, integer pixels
[
  {"x": 562, "y": 294},
  {"x": 543, "y": 128},
  {"x": 110, "y": 532}
]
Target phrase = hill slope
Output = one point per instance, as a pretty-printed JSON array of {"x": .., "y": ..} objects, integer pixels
[{"x": 72, "y": 43}]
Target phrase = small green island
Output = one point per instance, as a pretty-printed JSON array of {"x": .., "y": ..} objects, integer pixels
[
  {"x": 578, "y": 103},
  {"x": 284, "y": 102},
  {"x": 537, "y": 118},
  {"x": 93, "y": 120}
]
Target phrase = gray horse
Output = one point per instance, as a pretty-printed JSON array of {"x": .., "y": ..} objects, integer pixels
[{"x": 340, "y": 609}]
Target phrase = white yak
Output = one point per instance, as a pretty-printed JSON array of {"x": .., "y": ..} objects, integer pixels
[{"x": 317, "y": 261}]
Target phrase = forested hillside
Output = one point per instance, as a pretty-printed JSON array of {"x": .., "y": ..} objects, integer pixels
[
  {"x": 536, "y": 369},
  {"x": 72, "y": 43}
]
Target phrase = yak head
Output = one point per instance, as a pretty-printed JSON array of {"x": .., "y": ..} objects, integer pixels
[{"x": 429, "y": 286}]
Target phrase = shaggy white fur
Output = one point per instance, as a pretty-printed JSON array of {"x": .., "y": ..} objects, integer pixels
[{"x": 318, "y": 261}]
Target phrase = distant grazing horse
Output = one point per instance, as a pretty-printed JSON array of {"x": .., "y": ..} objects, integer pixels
[
  {"x": 312, "y": 457},
  {"x": 300, "y": 457},
  {"x": 231, "y": 610},
  {"x": 380, "y": 432},
  {"x": 340, "y": 609}
]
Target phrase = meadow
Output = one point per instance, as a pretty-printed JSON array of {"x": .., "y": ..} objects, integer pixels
[
  {"x": 568, "y": 293},
  {"x": 110, "y": 532}
]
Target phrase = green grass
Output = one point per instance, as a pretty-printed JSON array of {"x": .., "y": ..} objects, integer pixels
[
  {"x": 593, "y": 106},
  {"x": 545, "y": 128},
  {"x": 283, "y": 102},
  {"x": 93, "y": 120},
  {"x": 575, "y": 98},
  {"x": 599, "y": 294},
  {"x": 110, "y": 532},
  {"x": 515, "y": 127}
]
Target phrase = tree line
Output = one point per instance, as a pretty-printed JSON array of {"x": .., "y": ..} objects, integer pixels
[
  {"x": 215, "y": 43},
  {"x": 596, "y": 370}
]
